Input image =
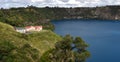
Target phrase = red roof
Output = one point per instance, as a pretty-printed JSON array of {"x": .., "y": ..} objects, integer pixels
[
  {"x": 28, "y": 26},
  {"x": 36, "y": 27}
]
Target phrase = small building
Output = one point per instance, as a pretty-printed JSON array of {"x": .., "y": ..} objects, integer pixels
[{"x": 28, "y": 29}]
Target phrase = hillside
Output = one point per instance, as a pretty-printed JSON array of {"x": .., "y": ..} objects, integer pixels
[
  {"x": 105, "y": 12},
  {"x": 25, "y": 16},
  {"x": 17, "y": 47},
  {"x": 43, "y": 41}
]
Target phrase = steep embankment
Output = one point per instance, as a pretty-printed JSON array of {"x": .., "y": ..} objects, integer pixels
[
  {"x": 17, "y": 47},
  {"x": 41, "y": 16}
]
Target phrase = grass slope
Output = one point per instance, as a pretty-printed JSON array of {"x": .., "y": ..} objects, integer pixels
[
  {"x": 44, "y": 40},
  {"x": 17, "y": 47},
  {"x": 8, "y": 33}
]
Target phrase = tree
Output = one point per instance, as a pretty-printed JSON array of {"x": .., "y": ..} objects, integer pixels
[
  {"x": 64, "y": 51},
  {"x": 81, "y": 54}
]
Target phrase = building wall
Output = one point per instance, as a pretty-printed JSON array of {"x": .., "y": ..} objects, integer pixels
[
  {"x": 28, "y": 29},
  {"x": 21, "y": 31}
]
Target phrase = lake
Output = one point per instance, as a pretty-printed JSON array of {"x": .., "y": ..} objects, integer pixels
[{"x": 103, "y": 37}]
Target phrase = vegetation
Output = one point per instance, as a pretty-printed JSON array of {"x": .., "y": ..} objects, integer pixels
[
  {"x": 25, "y": 17},
  {"x": 41, "y": 16},
  {"x": 64, "y": 51},
  {"x": 43, "y": 41},
  {"x": 17, "y": 47}
]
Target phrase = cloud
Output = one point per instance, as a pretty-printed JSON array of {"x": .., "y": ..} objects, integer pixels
[
  {"x": 60, "y": 3},
  {"x": 64, "y": 0}
]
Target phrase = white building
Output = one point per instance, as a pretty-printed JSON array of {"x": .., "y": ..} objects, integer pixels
[
  {"x": 20, "y": 29},
  {"x": 28, "y": 29}
]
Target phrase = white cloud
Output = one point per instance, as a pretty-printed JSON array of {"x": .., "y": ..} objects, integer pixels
[
  {"x": 37, "y": 0},
  {"x": 64, "y": 0},
  {"x": 60, "y": 3},
  {"x": 73, "y": 2}
]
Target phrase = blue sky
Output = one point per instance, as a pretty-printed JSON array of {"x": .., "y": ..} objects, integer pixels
[{"x": 60, "y": 3}]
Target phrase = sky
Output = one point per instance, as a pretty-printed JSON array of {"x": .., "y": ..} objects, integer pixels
[{"x": 59, "y": 3}]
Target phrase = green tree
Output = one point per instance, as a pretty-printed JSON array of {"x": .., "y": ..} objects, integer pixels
[
  {"x": 64, "y": 51},
  {"x": 81, "y": 54}
]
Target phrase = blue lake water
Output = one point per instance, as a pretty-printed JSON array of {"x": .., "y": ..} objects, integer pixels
[{"x": 103, "y": 37}]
